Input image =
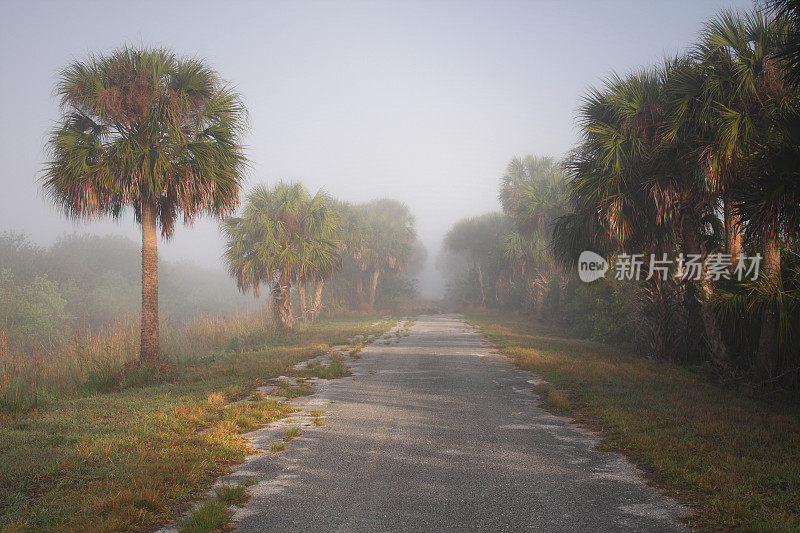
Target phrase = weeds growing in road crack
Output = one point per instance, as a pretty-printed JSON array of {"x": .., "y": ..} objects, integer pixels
[{"x": 291, "y": 433}]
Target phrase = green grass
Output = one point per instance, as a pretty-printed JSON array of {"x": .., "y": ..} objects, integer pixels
[
  {"x": 128, "y": 459},
  {"x": 291, "y": 433},
  {"x": 211, "y": 516},
  {"x": 277, "y": 446},
  {"x": 355, "y": 353},
  {"x": 553, "y": 399},
  {"x": 336, "y": 368},
  {"x": 234, "y": 494},
  {"x": 289, "y": 391},
  {"x": 734, "y": 457}
]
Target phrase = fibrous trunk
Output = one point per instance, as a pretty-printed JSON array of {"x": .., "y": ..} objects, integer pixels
[
  {"x": 301, "y": 298},
  {"x": 716, "y": 344},
  {"x": 282, "y": 304},
  {"x": 767, "y": 356},
  {"x": 733, "y": 231},
  {"x": 149, "y": 349},
  {"x": 479, "y": 271},
  {"x": 373, "y": 287},
  {"x": 317, "y": 299}
]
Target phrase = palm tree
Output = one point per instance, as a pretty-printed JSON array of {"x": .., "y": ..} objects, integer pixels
[
  {"x": 789, "y": 12},
  {"x": 283, "y": 236},
  {"x": 480, "y": 240},
  {"x": 146, "y": 129},
  {"x": 321, "y": 262},
  {"x": 753, "y": 111},
  {"x": 631, "y": 189},
  {"x": 533, "y": 193},
  {"x": 388, "y": 240}
]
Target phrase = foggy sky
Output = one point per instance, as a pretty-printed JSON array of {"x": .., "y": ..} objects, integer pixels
[{"x": 421, "y": 101}]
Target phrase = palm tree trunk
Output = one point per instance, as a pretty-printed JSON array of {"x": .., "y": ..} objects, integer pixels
[
  {"x": 479, "y": 270},
  {"x": 282, "y": 305},
  {"x": 373, "y": 287},
  {"x": 317, "y": 299},
  {"x": 766, "y": 357},
  {"x": 733, "y": 231},
  {"x": 498, "y": 291},
  {"x": 716, "y": 344},
  {"x": 149, "y": 349},
  {"x": 301, "y": 298}
]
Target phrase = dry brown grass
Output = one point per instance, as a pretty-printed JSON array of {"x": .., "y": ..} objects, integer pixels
[
  {"x": 103, "y": 361},
  {"x": 126, "y": 460},
  {"x": 736, "y": 458}
]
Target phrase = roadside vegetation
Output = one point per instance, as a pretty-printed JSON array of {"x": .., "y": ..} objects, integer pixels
[
  {"x": 129, "y": 459},
  {"x": 696, "y": 376},
  {"x": 734, "y": 458},
  {"x": 693, "y": 158}
]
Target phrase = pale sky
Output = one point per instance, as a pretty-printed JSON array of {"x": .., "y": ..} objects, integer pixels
[{"x": 423, "y": 101}]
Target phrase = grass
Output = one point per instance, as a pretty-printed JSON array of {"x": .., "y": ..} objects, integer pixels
[
  {"x": 211, "y": 516},
  {"x": 234, "y": 494},
  {"x": 291, "y": 433},
  {"x": 355, "y": 353},
  {"x": 127, "y": 459},
  {"x": 287, "y": 390},
  {"x": 336, "y": 368},
  {"x": 316, "y": 417},
  {"x": 214, "y": 513},
  {"x": 277, "y": 446},
  {"x": 104, "y": 361},
  {"x": 554, "y": 400},
  {"x": 734, "y": 457}
]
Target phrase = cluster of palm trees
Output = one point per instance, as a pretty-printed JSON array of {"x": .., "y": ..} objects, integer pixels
[
  {"x": 694, "y": 156},
  {"x": 699, "y": 155},
  {"x": 507, "y": 255},
  {"x": 288, "y": 238},
  {"x": 161, "y": 134}
]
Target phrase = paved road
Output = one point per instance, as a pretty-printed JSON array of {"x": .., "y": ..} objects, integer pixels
[{"x": 437, "y": 434}]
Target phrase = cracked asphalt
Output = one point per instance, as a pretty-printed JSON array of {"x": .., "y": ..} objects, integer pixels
[{"x": 437, "y": 433}]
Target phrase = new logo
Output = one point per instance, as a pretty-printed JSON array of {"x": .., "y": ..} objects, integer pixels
[{"x": 591, "y": 266}]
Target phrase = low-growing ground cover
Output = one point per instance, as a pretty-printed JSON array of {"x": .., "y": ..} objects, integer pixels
[
  {"x": 129, "y": 458},
  {"x": 734, "y": 457}
]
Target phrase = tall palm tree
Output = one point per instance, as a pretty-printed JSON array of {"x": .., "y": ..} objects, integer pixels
[
  {"x": 533, "y": 193},
  {"x": 321, "y": 262},
  {"x": 634, "y": 188},
  {"x": 388, "y": 240},
  {"x": 789, "y": 12},
  {"x": 145, "y": 129},
  {"x": 283, "y": 236},
  {"x": 480, "y": 240},
  {"x": 753, "y": 107}
]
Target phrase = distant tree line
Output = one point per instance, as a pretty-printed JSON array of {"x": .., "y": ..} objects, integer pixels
[
  {"x": 81, "y": 282},
  {"x": 288, "y": 239}
]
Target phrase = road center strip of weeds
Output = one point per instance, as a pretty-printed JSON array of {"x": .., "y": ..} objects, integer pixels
[
  {"x": 735, "y": 458},
  {"x": 126, "y": 460}
]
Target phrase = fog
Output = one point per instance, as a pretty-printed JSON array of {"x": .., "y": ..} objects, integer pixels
[{"x": 424, "y": 102}]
